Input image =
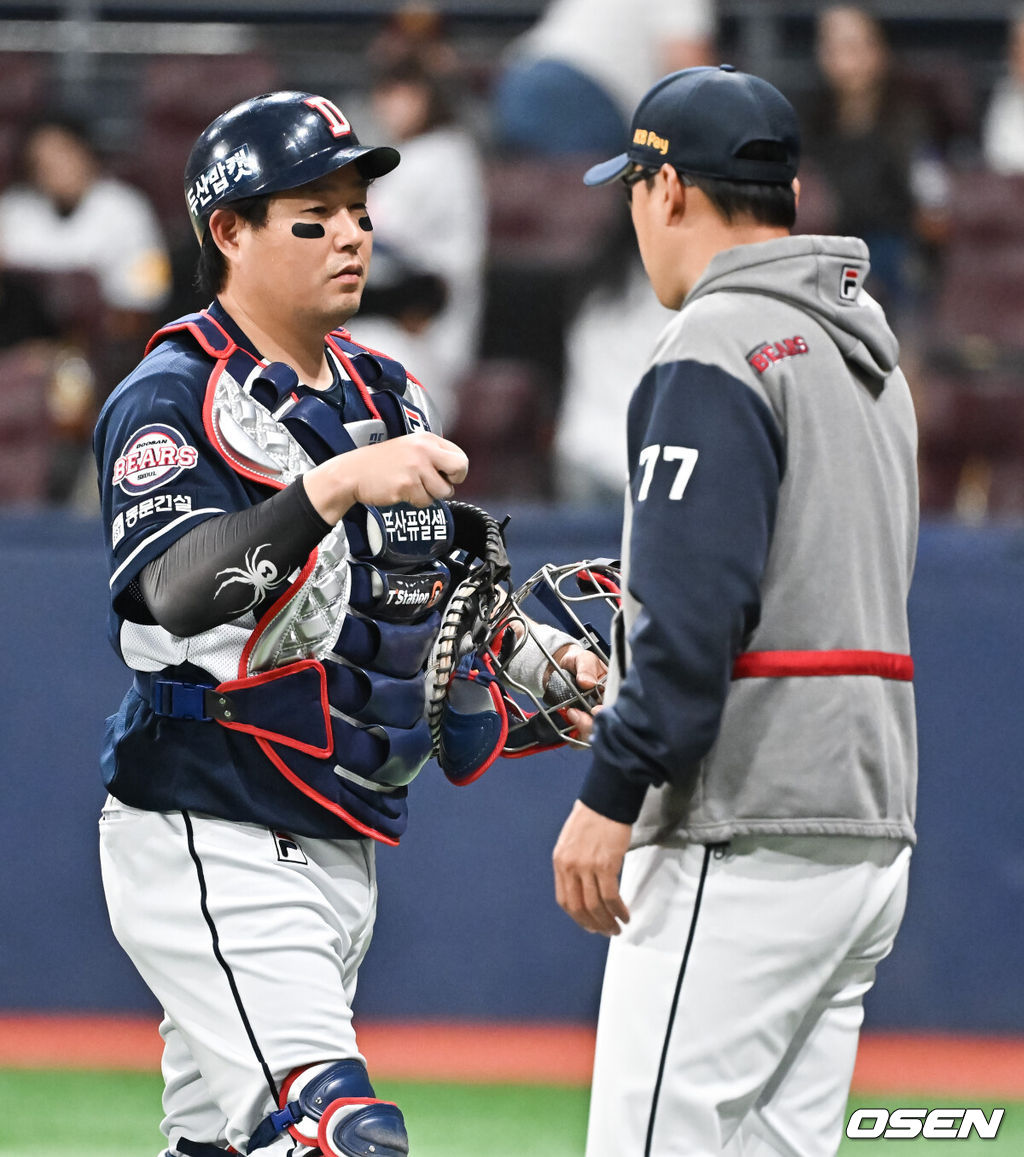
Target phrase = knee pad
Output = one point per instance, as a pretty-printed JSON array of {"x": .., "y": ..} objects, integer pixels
[
  {"x": 354, "y": 1128},
  {"x": 333, "y": 1106}
]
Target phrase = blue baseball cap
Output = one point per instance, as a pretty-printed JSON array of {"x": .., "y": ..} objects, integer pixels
[{"x": 705, "y": 122}]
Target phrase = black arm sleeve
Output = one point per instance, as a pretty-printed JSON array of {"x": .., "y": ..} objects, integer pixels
[{"x": 228, "y": 563}]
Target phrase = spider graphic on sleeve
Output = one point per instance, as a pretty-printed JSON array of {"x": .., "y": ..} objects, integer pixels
[{"x": 259, "y": 573}]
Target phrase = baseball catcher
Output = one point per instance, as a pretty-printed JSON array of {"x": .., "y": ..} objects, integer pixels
[{"x": 305, "y": 610}]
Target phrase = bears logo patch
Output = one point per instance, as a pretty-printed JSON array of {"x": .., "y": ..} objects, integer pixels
[
  {"x": 152, "y": 457},
  {"x": 772, "y": 352}
]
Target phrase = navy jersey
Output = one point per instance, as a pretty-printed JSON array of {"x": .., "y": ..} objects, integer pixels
[
  {"x": 162, "y": 470},
  {"x": 158, "y": 475}
]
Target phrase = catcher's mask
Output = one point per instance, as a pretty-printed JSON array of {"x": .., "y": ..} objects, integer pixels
[{"x": 578, "y": 599}]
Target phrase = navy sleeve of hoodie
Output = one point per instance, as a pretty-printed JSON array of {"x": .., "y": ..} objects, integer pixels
[{"x": 706, "y": 460}]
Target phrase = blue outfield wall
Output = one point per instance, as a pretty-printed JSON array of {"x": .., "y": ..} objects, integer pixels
[{"x": 468, "y": 926}]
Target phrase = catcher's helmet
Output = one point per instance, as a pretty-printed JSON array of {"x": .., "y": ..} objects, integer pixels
[
  {"x": 273, "y": 142},
  {"x": 580, "y": 599}
]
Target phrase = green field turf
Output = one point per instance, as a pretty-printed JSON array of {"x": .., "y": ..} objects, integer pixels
[{"x": 111, "y": 1114}]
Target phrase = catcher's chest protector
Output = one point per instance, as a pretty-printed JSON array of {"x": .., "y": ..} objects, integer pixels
[{"x": 331, "y": 683}]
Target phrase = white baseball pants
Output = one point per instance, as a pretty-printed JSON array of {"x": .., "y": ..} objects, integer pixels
[
  {"x": 251, "y": 941},
  {"x": 732, "y": 1001}
]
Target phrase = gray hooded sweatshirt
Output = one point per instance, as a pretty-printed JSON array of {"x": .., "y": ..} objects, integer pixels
[{"x": 761, "y": 675}]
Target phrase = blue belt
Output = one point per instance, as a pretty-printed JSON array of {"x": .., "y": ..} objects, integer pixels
[{"x": 178, "y": 700}]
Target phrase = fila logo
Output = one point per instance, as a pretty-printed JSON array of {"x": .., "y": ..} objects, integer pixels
[
  {"x": 288, "y": 851},
  {"x": 337, "y": 122},
  {"x": 414, "y": 420},
  {"x": 849, "y": 283},
  {"x": 905, "y": 1124}
]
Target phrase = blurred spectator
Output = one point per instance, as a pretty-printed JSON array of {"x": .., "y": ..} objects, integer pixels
[
  {"x": 423, "y": 300},
  {"x": 415, "y": 33},
  {"x": 1003, "y": 128},
  {"x": 66, "y": 213},
  {"x": 24, "y": 315},
  {"x": 82, "y": 235},
  {"x": 570, "y": 86},
  {"x": 46, "y": 393},
  {"x": 571, "y": 83},
  {"x": 608, "y": 345},
  {"x": 875, "y": 141}
]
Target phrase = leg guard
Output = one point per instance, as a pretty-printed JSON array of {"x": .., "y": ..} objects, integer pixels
[
  {"x": 333, "y": 1107},
  {"x": 359, "y": 1128}
]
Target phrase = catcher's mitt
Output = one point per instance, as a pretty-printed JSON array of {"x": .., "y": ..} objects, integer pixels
[{"x": 479, "y": 596}]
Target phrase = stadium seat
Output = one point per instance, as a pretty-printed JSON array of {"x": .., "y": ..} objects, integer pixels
[
  {"x": 980, "y": 299},
  {"x": 10, "y": 138},
  {"x": 25, "y": 428},
  {"x": 944, "y": 84},
  {"x": 72, "y": 298},
  {"x": 547, "y": 233},
  {"x": 981, "y": 302},
  {"x": 543, "y": 216},
  {"x": 193, "y": 89},
  {"x": 971, "y": 400},
  {"x": 179, "y": 97},
  {"x": 505, "y": 424},
  {"x": 987, "y": 208},
  {"x": 26, "y": 79},
  {"x": 972, "y": 445},
  {"x": 23, "y": 94}
]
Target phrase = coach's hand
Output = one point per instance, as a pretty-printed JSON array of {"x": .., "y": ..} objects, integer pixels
[
  {"x": 415, "y": 468},
  {"x": 588, "y": 672},
  {"x": 587, "y": 860},
  {"x": 587, "y": 668}
]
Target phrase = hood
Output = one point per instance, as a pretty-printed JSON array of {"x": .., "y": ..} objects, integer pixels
[{"x": 822, "y": 276}]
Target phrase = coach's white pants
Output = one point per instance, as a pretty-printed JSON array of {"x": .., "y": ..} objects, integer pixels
[
  {"x": 251, "y": 941},
  {"x": 748, "y": 1051}
]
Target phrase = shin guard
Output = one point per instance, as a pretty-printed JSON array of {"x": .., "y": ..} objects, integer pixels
[{"x": 333, "y": 1106}]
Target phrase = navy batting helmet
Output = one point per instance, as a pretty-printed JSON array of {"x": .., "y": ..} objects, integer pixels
[{"x": 276, "y": 141}]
